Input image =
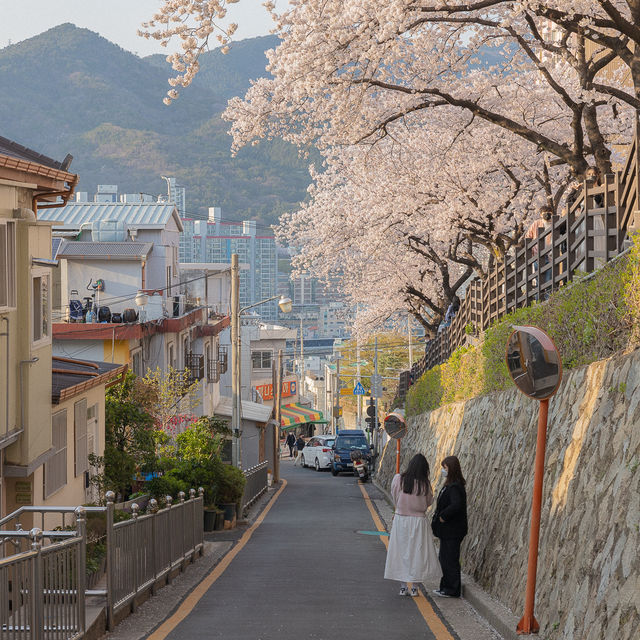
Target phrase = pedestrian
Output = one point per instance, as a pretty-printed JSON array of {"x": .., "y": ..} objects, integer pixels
[
  {"x": 290, "y": 441},
  {"x": 411, "y": 556},
  {"x": 450, "y": 525},
  {"x": 299, "y": 446}
]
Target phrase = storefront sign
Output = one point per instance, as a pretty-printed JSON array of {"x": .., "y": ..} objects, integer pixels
[{"x": 289, "y": 388}]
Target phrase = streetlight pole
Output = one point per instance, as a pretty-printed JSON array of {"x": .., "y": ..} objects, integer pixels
[
  {"x": 285, "y": 305},
  {"x": 235, "y": 362}
]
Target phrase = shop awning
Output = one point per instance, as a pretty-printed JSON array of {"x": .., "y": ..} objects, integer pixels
[{"x": 294, "y": 414}]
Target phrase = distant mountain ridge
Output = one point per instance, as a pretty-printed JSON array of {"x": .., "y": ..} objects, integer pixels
[{"x": 68, "y": 90}]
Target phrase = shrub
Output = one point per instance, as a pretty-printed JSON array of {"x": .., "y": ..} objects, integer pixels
[
  {"x": 590, "y": 319},
  {"x": 229, "y": 483}
]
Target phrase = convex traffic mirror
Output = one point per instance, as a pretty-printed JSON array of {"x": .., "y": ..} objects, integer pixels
[
  {"x": 534, "y": 362},
  {"x": 394, "y": 425}
]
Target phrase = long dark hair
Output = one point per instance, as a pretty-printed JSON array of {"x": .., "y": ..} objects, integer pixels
[
  {"x": 454, "y": 472},
  {"x": 416, "y": 476}
]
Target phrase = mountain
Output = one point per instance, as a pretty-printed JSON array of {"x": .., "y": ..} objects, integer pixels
[{"x": 68, "y": 90}]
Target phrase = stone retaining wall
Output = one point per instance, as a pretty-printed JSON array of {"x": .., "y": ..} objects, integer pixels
[{"x": 589, "y": 564}]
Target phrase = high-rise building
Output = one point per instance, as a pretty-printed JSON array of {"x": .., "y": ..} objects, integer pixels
[{"x": 215, "y": 240}]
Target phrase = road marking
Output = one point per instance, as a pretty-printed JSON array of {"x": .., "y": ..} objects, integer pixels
[
  {"x": 187, "y": 605},
  {"x": 434, "y": 623}
]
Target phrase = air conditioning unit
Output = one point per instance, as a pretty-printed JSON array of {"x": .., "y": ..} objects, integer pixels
[{"x": 178, "y": 305}]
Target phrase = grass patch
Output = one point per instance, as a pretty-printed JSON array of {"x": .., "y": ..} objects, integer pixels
[{"x": 589, "y": 320}]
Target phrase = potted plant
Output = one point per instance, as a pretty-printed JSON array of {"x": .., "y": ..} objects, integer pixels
[{"x": 229, "y": 489}]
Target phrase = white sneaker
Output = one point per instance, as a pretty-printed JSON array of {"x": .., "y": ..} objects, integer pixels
[
  {"x": 404, "y": 591},
  {"x": 414, "y": 592}
]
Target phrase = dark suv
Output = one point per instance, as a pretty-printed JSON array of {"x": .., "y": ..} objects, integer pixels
[{"x": 346, "y": 441}]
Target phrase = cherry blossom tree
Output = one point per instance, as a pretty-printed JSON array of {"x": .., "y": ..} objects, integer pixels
[{"x": 405, "y": 222}]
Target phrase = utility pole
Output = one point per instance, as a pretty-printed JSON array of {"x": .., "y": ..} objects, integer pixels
[
  {"x": 236, "y": 406},
  {"x": 358, "y": 398},
  {"x": 410, "y": 342},
  {"x": 375, "y": 424},
  {"x": 277, "y": 398},
  {"x": 337, "y": 394}
]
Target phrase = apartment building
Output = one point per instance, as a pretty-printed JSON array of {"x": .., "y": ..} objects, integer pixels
[
  {"x": 215, "y": 240},
  {"x": 29, "y": 182}
]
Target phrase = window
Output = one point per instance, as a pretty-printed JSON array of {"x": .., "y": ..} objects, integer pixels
[
  {"x": 92, "y": 429},
  {"x": 136, "y": 362},
  {"x": 171, "y": 361},
  {"x": 41, "y": 312},
  {"x": 168, "y": 281},
  {"x": 261, "y": 359},
  {"x": 81, "y": 462},
  {"x": 55, "y": 469},
  {"x": 7, "y": 264}
]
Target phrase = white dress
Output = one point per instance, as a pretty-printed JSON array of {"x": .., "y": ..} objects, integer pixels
[{"x": 411, "y": 555}]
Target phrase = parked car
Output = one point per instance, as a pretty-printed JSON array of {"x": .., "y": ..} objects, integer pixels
[
  {"x": 318, "y": 452},
  {"x": 346, "y": 441}
]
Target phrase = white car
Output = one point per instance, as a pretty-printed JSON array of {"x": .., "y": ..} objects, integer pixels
[{"x": 317, "y": 453}]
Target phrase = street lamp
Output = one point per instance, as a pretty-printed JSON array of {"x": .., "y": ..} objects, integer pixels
[{"x": 285, "y": 305}]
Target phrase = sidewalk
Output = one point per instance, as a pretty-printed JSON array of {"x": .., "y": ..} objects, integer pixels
[{"x": 473, "y": 614}]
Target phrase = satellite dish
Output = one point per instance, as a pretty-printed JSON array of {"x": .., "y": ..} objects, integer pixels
[{"x": 395, "y": 426}]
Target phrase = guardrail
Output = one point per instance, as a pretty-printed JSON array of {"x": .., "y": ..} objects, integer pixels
[
  {"x": 51, "y": 561},
  {"x": 256, "y": 484}
]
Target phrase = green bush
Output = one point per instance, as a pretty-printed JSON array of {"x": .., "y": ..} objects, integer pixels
[
  {"x": 590, "y": 319},
  {"x": 230, "y": 483}
]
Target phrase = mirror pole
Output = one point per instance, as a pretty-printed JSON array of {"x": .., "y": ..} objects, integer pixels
[
  {"x": 528, "y": 623},
  {"x": 398, "y": 456}
]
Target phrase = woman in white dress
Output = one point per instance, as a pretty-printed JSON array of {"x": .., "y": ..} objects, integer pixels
[{"x": 412, "y": 556}]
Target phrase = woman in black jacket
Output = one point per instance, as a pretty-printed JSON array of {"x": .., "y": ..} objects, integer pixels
[{"x": 450, "y": 525}]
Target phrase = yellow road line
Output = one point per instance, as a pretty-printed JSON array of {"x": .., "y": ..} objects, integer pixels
[
  {"x": 434, "y": 623},
  {"x": 187, "y": 605}
]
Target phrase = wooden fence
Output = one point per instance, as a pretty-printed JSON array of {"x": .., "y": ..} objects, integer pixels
[{"x": 593, "y": 231}]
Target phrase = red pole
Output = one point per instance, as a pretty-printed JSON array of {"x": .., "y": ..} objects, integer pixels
[
  {"x": 398, "y": 456},
  {"x": 528, "y": 623}
]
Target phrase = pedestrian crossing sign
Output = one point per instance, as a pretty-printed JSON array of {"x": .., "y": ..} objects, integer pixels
[{"x": 358, "y": 390}]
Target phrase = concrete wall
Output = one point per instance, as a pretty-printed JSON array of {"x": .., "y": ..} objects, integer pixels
[{"x": 588, "y": 584}]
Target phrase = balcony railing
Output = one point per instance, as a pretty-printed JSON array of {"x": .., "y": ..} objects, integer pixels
[{"x": 194, "y": 366}]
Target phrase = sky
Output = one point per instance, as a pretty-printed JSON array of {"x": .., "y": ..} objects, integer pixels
[{"x": 116, "y": 20}]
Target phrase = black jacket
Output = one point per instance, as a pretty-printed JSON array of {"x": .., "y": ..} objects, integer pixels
[
  {"x": 452, "y": 508},
  {"x": 291, "y": 440}
]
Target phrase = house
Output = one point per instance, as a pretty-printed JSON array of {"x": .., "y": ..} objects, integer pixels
[
  {"x": 30, "y": 183},
  {"x": 120, "y": 261},
  {"x": 78, "y": 430}
]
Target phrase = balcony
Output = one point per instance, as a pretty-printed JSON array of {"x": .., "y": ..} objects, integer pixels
[{"x": 194, "y": 367}]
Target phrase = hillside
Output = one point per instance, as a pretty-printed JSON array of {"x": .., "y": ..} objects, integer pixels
[{"x": 74, "y": 92}]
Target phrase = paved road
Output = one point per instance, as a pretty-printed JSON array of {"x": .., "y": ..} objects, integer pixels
[{"x": 306, "y": 573}]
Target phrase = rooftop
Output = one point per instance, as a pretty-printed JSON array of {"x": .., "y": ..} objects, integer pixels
[
  {"x": 110, "y": 250},
  {"x": 15, "y": 150},
  {"x": 145, "y": 215},
  {"x": 71, "y": 376}
]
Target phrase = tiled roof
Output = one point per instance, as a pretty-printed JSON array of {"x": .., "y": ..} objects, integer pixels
[
  {"x": 71, "y": 376},
  {"x": 15, "y": 150},
  {"x": 118, "y": 250},
  {"x": 143, "y": 214}
]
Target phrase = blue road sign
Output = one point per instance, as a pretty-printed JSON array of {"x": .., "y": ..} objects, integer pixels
[{"x": 358, "y": 390}]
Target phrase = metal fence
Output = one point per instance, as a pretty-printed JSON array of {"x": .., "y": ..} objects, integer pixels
[
  {"x": 256, "y": 484},
  {"x": 149, "y": 547},
  {"x": 43, "y": 570},
  {"x": 592, "y": 231},
  {"x": 42, "y": 590}
]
